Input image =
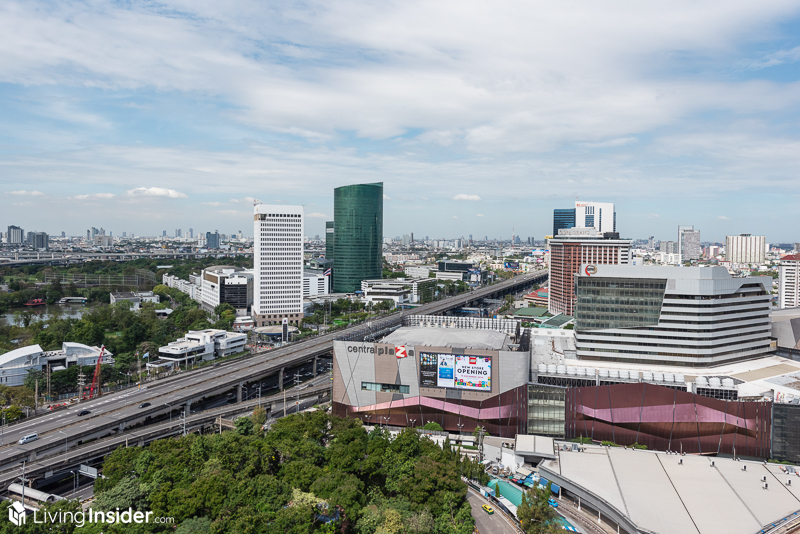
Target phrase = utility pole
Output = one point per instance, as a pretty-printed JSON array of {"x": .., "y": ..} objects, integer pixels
[
  {"x": 297, "y": 387},
  {"x": 48, "y": 382},
  {"x": 81, "y": 382}
]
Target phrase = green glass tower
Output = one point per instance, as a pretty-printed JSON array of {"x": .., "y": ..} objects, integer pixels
[{"x": 358, "y": 235}]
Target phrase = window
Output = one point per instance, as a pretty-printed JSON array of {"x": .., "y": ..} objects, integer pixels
[{"x": 387, "y": 388}]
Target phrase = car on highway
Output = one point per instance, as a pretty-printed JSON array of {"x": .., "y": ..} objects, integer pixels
[
  {"x": 28, "y": 438},
  {"x": 83, "y": 412},
  {"x": 144, "y": 405},
  {"x": 552, "y": 503},
  {"x": 488, "y": 509}
]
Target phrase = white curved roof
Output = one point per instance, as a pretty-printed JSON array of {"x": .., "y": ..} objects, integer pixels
[{"x": 20, "y": 353}]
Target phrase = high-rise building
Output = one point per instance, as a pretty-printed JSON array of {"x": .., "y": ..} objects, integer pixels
[
  {"x": 38, "y": 240},
  {"x": 358, "y": 237},
  {"x": 563, "y": 218},
  {"x": 789, "y": 282},
  {"x": 191, "y": 233},
  {"x": 178, "y": 232},
  {"x": 745, "y": 248},
  {"x": 597, "y": 215},
  {"x": 569, "y": 251},
  {"x": 88, "y": 235},
  {"x": 63, "y": 233},
  {"x": 668, "y": 247},
  {"x": 212, "y": 240},
  {"x": 650, "y": 242},
  {"x": 278, "y": 264},
  {"x": 691, "y": 316},
  {"x": 15, "y": 234},
  {"x": 164, "y": 233},
  {"x": 689, "y": 243},
  {"x": 124, "y": 234}
]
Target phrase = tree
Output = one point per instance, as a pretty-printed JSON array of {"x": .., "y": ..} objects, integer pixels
[
  {"x": 433, "y": 426},
  {"x": 244, "y": 426},
  {"x": 259, "y": 417},
  {"x": 535, "y": 514}
]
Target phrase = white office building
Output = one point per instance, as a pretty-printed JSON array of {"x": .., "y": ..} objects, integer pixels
[
  {"x": 686, "y": 316},
  {"x": 597, "y": 215},
  {"x": 278, "y": 264},
  {"x": 198, "y": 345},
  {"x": 315, "y": 284},
  {"x": 745, "y": 248},
  {"x": 227, "y": 284},
  {"x": 789, "y": 282}
]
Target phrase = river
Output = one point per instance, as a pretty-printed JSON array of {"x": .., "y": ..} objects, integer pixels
[{"x": 43, "y": 313}]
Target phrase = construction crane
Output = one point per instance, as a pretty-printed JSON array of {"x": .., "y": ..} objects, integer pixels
[{"x": 96, "y": 377}]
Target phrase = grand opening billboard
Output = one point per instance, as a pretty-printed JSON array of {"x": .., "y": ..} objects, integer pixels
[{"x": 455, "y": 371}]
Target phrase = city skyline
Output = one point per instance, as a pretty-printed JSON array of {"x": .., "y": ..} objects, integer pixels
[{"x": 144, "y": 115}]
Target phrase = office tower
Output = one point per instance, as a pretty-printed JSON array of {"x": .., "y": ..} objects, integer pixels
[
  {"x": 191, "y": 233},
  {"x": 650, "y": 242},
  {"x": 239, "y": 234},
  {"x": 102, "y": 231},
  {"x": 688, "y": 243},
  {"x": 597, "y": 215},
  {"x": 745, "y": 248},
  {"x": 562, "y": 218},
  {"x": 329, "y": 240},
  {"x": 358, "y": 221},
  {"x": 15, "y": 234},
  {"x": 178, "y": 232},
  {"x": 672, "y": 316},
  {"x": 88, "y": 235},
  {"x": 278, "y": 264},
  {"x": 164, "y": 233},
  {"x": 95, "y": 231},
  {"x": 789, "y": 282},
  {"x": 124, "y": 234},
  {"x": 212, "y": 240},
  {"x": 568, "y": 252},
  {"x": 63, "y": 234}
]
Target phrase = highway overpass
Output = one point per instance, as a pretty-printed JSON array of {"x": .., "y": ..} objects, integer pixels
[{"x": 114, "y": 412}]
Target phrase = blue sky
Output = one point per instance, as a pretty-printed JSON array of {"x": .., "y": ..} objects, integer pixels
[{"x": 478, "y": 117}]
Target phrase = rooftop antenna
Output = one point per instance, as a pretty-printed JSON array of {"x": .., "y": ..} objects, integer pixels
[{"x": 256, "y": 202}]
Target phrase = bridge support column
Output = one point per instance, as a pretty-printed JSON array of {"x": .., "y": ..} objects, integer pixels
[
  {"x": 32, "y": 456},
  {"x": 315, "y": 366},
  {"x": 280, "y": 379},
  {"x": 122, "y": 426},
  {"x": 188, "y": 407},
  {"x": 239, "y": 392}
]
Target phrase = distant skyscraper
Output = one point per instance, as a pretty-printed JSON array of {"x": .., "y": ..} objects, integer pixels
[
  {"x": 39, "y": 240},
  {"x": 164, "y": 233},
  {"x": 95, "y": 232},
  {"x": 15, "y": 234},
  {"x": 212, "y": 240},
  {"x": 689, "y": 243},
  {"x": 358, "y": 238},
  {"x": 789, "y": 282},
  {"x": 668, "y": 247},
  {"x": 124, "y": 234},
  {"x": 178, "y": 232},
  {"x": 88, "y": 235},
  {"x": 63, "y": 234},
  {"x": 278, "y": 264},
  {"x": 650, "y": 242},
  {"x": 191, "y": 233},
  {"x": 563, "y": 218},
  {"x": 745, "y": 248}
]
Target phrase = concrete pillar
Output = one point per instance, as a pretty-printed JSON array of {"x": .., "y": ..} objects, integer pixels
[
  {"x": 239, "y": 392},
  {"x": 280, "y": 379},
  {"x": 315, "y": 366},
  {"x": 122, "y": 426},
  {"x": 188, "y": 407}
]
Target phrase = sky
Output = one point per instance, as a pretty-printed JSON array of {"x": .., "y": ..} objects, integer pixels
[{"x": 479, "y": 117}]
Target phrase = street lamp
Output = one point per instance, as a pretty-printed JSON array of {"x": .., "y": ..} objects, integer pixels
[
  {"x": 367, "y": 417},
  {"x": 412, "y": 422},
  {"x": 65, "y": 444}
]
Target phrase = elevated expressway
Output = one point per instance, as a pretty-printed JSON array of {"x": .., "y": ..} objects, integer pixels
[{"x": 114, "y": 412}]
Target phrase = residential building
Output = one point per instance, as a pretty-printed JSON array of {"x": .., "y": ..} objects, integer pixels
[
  {"x": 39, "y": 240},
  {"x": 278, "y": 264},
  {"x": 212, "y": 240},
  {"x": 789, "y": 282},
  {"x": 668, "y": 247},
  {"x": 597, "y": 215},
  {"x": 136, "y": 298},
  {"x": 15, "y": 234},
  {"x": 227, "y": 284},
  {"x": 572, "y": 248},
  {"x": 193, "y": 288},
  {"x": 745, "y": 248},
  {"x": 101, "y": 240},
  {"x": 695, "y": 317},
  {"x": 358, "y": 237},
  {"x": 689, "y": 243},
  {"x": 417, "y": 272}
]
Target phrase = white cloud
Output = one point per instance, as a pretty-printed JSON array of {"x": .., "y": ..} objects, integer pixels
[
  {"x": 246, "y": 200},
  {"x": 213, "y": 203},
  {"x": 23, "y": 192},
  {"x": 316, "y": 215},
  {"x": 722, "y": 218},
  {"x": 462, "y": 196},
  {"x": 386, "y": 197},
  {"x": 479, "y": 215},
  {"x": 156, "y": 192},
  {"x": 455, "y": 216},
  {"x": 102, "y": 196},
  {"x": 653, "y": 216}
]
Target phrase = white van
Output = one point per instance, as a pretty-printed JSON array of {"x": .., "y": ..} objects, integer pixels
[{"x": 28, "y": 439}]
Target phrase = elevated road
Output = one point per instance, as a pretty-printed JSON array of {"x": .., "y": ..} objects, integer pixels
[{"x": 112, "y": 413}]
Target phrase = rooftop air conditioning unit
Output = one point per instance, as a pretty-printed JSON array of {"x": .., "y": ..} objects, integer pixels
[
  {"x": 766, "y": 486},
  {"x": 764, "y": 478}
]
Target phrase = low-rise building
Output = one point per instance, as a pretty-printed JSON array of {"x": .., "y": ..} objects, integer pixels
[
  {"x": 227, "y": 284},
  {"x": 15, "y": 365},
  {"x": 136, "y": 298},
  {"x": 201, "y": 345},
  {"x": 401, "y": 290}
]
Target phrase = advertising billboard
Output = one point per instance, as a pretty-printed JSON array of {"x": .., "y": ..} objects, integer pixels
[
  {"x": 455, "y": 371},
  {"x": 511, "y": 265},
  {"x": 473, "y": 372}
]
